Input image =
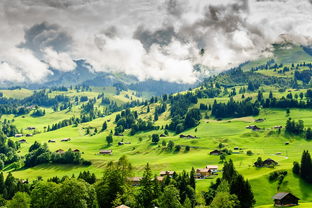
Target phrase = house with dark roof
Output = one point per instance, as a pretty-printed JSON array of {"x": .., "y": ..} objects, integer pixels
[
  {"x": 60, "y": 151},
  {"x": 167, "y": 173},
  {"x": 269, "y": 162},
  {"x": 22, "y": 141},
  {"x": 215, "y": 152},
  {"x": 285, "y": 199},
  {"x": 106, "y": 152},
  {"x": 65, "y": 140}
]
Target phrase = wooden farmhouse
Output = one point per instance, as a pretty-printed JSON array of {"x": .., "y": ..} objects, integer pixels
[{"x": 285, "y": 199}]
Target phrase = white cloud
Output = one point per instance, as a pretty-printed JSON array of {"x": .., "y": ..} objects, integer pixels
[
  {"x": 102, "y": 33},
  {"x": 60, "y": 61}
]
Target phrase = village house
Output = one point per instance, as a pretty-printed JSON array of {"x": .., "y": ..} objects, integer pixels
[
  {"x": 135, "y": 181},
  {"x": 269, "y": 162},
  {"x": 29, "y": 135},
  {"x": 60, "y": 151},
  {"x": 167, "y": 173},
  {"x": 215, "y": 152},
  {"x": 106, "y": 152},
  {"x": 259, "y": 120},
  {"x": 22, "y": 141},
  {"x": 30, "y": 128},
  {"x": 65, "y": 140},
  {"x": 213, "y": 168},
  {"x": 18, "y": 135},
  {"x": 120, "y": 143},
  {"x": 278, "y": 127},
  {"x": 76, "y": 150},
  {"x": 187, "y": 136},
  {"x": 285, "y": 199},
  {"x": 253, "y": 127},
  {"x": 51, "y": 141},
  {"x": 162, "y": 135},
  {"x": 236, "y": 148},
  {"x": 203, "y": 172}
]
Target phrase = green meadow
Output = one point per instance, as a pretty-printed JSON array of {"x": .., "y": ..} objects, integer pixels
[{"x": 266, "y": 143}]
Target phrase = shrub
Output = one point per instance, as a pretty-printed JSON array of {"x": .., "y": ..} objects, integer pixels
[
  {"x": 177, "y": 148},
  {"x": 249, "y": 153},
  {"x": 187, "y": 148},
  {"x": 280, "y": 174}
]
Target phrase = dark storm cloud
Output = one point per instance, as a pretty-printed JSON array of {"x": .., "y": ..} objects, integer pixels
[
  {"x": 160, "y": 37},
  {"x": 44, "y": 35}
]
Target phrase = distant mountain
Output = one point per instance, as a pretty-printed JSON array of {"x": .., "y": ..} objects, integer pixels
[{"x": 283, "y": 54}]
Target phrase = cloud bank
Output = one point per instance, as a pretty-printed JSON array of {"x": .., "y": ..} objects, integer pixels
[{"x": 149, "y": 39}]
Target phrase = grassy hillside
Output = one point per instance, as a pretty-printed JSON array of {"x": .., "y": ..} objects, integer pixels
[{"x": 231, "y": 132}]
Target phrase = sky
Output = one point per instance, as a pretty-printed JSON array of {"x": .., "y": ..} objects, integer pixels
[{"x": 149, "y": 39}]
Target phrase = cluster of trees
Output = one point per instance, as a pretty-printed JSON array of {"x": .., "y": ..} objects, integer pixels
[
  {"x": 42, "y": 98},
  {"x": 293, "y": 127},
  {"x": 235, "y": 108},
  {"x": 297, "y": 128},
  {"x": 8, "y": 150},
  {"x": 70, "y": 193},
  {"x": 231, "y": 191},
  {"x": 238, "y": 77},
  {"x": 114, "y": 188},
  {"x": 39, "y": 154},
  {"x": 290, "y": 101},
  {"x": 304, "y": 169},
  {"x": 8, "y": 128},
  {"x": 13, "y": 109},
  {"x": 9, "y": 186},
  {"x": 182, "y": 117},
  {"x": 64, "y": 123},
  {"x": 159, "y": 110},
  {"x": 129, "y": 120},
  {"x": 38, "y": 113}
]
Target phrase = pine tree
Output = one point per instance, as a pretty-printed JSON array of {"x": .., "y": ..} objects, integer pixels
[
  {"x": 242, "y": 190},
  {"x": 2, "y": 186},
  {"x": 146, "y": 195},
  {"x": 306, "y": 166},
  {"x": 296, "y": 168},
  {"x": 192, "y": 178},
  {"x": 229, "y": 171}
]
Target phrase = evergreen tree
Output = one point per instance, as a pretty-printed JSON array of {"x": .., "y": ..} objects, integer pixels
[
  {"x": 109, "y": 139},
  {"x": 306, "y": 166},
  {"x": 155, "y": 138},
  {"x": 229, "y": 171},
  {"x": 296, "y": 168},
  {"x": 104, "y": 126},
  {"x": 242, "y": 190},
  {"x": 192, "y": 178},
  {"x": 2, "y": 185},
  {"x": 146, "y": 195},
  {"x": 170, "y": 198}
]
